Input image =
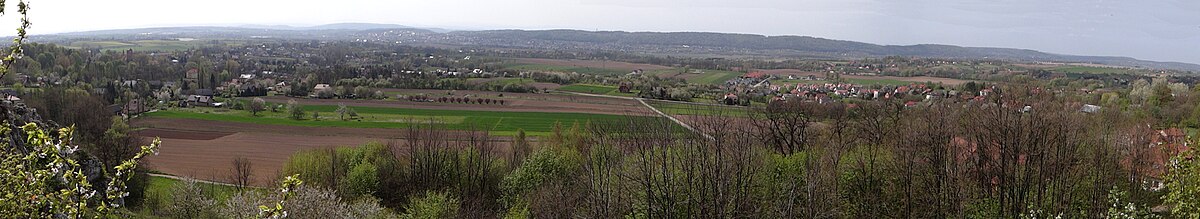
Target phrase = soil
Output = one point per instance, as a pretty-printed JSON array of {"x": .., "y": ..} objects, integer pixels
[{"x": 205, "y": 149}]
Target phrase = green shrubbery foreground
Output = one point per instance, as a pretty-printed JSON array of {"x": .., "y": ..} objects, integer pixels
[
  {"x": 634, "y": 170},
  {"x": 637, "y": 170}
]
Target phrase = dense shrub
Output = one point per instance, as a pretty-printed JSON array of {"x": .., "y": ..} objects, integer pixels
[
  {"x": 431, "y": 205},
  {"x": 189, "y": 200},
  {"x": 363, "y": 179},
  {"x": 544, "y": 166}
]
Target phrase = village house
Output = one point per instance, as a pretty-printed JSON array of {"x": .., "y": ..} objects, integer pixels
[
  {"x": 730, "y": 99},
  {"x": 200, "y": 97},
  {"x": 321, "y": 87},
  {"x": 10, "y": 96},
  {"x": 133, "y": 107}
]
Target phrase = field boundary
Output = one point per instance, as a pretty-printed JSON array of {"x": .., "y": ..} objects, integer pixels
[
  {"x": 200, "y": 180},
  {"x": 685, "y": 125}
]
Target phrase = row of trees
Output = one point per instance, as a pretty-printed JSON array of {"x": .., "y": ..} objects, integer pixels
[{"x": 468, "y": 100}]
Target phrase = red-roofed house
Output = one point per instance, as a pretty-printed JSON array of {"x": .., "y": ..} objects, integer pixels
[
  {"x": 756, "y": 74},
  {"x": 1154, "y": 160}
]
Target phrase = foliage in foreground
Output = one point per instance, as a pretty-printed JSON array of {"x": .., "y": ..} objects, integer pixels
[
  {"x": 45, "y": 177},
  {"x": 1183, "y": 185}
]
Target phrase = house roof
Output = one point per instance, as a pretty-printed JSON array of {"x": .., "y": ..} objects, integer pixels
[{"x": 756, "y": 74}]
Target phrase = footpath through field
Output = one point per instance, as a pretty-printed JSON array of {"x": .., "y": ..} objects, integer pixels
[
  {"x": 643, "y": 101},
  {"x": 200, "y": 180}
]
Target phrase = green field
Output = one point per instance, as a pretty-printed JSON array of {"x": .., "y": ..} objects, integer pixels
[
  {"x": 162, "y": 186},
  {"x": 596, "y": 89},
  {"x": 707, "y": 77},
  {"x": 714, "y": 77},
  {"x": 1090, "y": 70},
  {"x": 588, "y": 88},
  {"x": 697, "y": 109},
  {"x": 557, "y": 68},
  {"x": 143, "y": 45},
  {"x": 498, "y": 123}
]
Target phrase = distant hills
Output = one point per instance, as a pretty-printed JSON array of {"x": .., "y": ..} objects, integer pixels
[
  {"x": 342, "y": 26},
  {"x": 799, "y": 46},
  {"x": 659, "y": 43}
]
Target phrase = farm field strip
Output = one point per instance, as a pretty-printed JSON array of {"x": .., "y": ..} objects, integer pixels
[
  {"x": 714, "y": 77},
  {"x": 576, "y": 89},
  {"x": 604, "y": 64},
  {"x": 699, "y": 110},
  {"x": 143, "y": 45},
  {"x": 1091, "y": 70},
  {"x": 619, "y": 68},
  {"x": 706, "y": 77},
  {"x": 514, "y": 102},
  {"x": 537, "y": 123},
  {"x": 557, "y": 68}
]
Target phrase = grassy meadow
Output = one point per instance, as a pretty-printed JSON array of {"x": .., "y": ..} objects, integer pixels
[
  {"x": 498, "y": 123},
  {"x": 673, "y": 108},
  {"x": 1090, "y": 70},
  {"x": 558, "y": 68}
]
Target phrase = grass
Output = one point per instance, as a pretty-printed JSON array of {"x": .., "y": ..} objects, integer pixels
[
  {"x": 160, "y": 188},
  {"x": 695, "y": 109},
  {"x": 588, "y": 88},
  {"x": 714, "y": 77},
  {"x": 144, "y": 45},
  {"x": 498, "y": 123},
  {"x": 707, "y": 77},
  {"x": 559, "y": 68},
  {"x": 597, "y": 89},
  {"x": 1090, "y": 70}
]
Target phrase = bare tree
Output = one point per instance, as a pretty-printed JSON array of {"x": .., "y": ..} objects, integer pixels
[
  {"x": 241, "y": 172},
  {"x": 785, "y": 125}
]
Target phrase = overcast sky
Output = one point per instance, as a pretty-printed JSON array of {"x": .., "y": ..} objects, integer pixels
[{"x": 1160, "y": 30}]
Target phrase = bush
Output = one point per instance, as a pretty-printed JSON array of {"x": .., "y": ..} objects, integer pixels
[
  {"x": 542, "y": 167},
  {"x": 316, "y": 202},
  {"x": 362, "y": 180},
  {"x": 368, "y": 207},
  {"x": 188, "y": 200},
  {"x": 314, "y": 166},
  {"x": 243, "y": 205},
  {"x": 431, "y": 205},
  {"x": 295, "y": 110},
  {"x": 358, "y": 170},
  {"x": 325, "y": 94},
  {"x": 364, "y": 93}
]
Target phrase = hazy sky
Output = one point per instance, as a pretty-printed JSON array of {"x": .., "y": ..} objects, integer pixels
[{"x": 1161, "y": 30}]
